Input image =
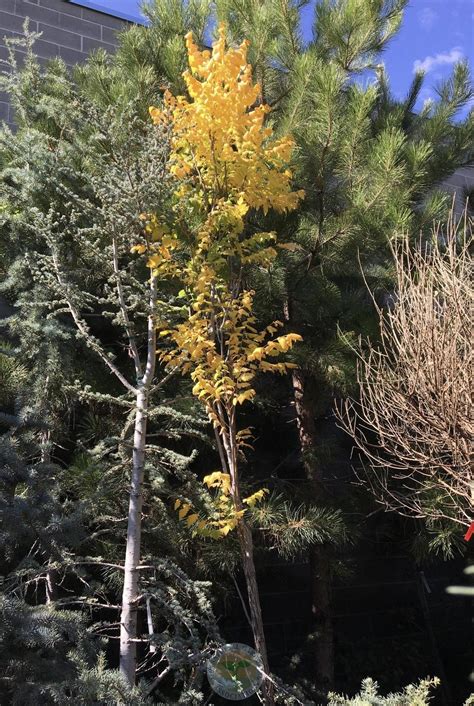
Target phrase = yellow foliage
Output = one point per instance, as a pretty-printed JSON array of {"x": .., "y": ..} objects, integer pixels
[
  {"x": 140, "y": 249},
  {"x": 226, "y": 162},
  {"x": 256, "y": 497},
  {"x": 292, "y": 247},
  {"x": 218, "y": 480},
  {"x": 184, "y": 511},
  {"x": 161, "y": 243},
  {"x": 243, "y": 438},
  {"x": 223, "y": 348},
  {"x": 226, "y": 515},
  {"x": 219, "y": 140},
  {"x": 247, "y": 395}
]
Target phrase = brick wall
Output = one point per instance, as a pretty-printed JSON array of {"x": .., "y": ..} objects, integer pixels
[{"x": 68, "y": 31}]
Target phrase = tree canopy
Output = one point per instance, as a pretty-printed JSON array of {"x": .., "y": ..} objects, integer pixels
[{"x": 195, "y": 233}]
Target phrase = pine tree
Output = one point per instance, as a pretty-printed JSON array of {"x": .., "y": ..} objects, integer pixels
[
  {"x": 367, "y": 163},
  {"x": 75, "y": 183},
  {"x": 367, "y": 166},
  {"x": 412, "y": 694},
  {"x": 66, "y": 179}
]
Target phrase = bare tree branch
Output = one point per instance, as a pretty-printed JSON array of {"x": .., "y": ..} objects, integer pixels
[{"x": 413, "y": 421}]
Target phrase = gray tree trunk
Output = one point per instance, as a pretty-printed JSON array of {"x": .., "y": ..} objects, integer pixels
[
  {"x": 130, "y": 595},
  {"x": 51, "y": 574},
  {"x": 248, "y": 564}
]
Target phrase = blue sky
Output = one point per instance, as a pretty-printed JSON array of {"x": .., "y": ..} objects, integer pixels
[
  {"x": 434, "y": 34},
  {"x": 129, "y": 9}
]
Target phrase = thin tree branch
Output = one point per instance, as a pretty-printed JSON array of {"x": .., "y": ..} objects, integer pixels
[
  {"x": 84, "y": 330},
  {"x": 123, "y": 309}
]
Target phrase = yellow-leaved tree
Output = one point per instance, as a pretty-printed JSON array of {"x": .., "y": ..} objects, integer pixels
[{"x": 227, "y": 163}]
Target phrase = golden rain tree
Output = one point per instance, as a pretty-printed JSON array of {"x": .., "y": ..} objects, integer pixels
[{"x": 227, "y": 163}]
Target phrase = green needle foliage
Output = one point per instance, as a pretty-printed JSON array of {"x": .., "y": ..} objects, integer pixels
[
  {"x": 412, "y": 695},
  {"x": 289, "y": 528},
  {"x": 74, "y": 179},
  {"x": 82, "y": 165},
  {"x": 370, "y": 167}
]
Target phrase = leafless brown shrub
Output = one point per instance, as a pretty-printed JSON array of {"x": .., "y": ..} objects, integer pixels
[{"x": 413, "y": 420}]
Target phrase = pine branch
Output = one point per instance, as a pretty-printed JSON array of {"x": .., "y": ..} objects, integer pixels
[
  {"x": 84, "y": 329},
  {"x": 124, "y": 310}
]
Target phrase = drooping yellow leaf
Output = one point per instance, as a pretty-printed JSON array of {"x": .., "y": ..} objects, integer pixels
[
  {"x": 184, "y": 511},
  {"x": 255, "y": 497},
  {"x": 257, "y": 353},
  {"x": 154, "y": 260},
  {"x": 246, "y": 377},
  {"x": 218, "y": 480},
  {"x": 286, "y": 342},
  {"x": 243, "y": 396},
  {"x": 224, "y": 531},
  {"x": 140, "y": 249}
]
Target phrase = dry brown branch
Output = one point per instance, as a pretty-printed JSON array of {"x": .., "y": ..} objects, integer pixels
[{"x": 413, "y": 421}]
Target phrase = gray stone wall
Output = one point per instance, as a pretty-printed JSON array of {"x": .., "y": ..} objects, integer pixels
[
  {"x": 68, "y": 31},
  {"x": 458, "y": 186}
]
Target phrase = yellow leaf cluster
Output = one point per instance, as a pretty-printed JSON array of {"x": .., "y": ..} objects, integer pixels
[
  {"x": 192, "y": 520},
  {"x": 161, "y": 243},
  {"x": 219, "y": 140},
  {"x": 218, "y": 480},
  {"x": 222, "y": 350},
  {"x": 225, "y": 516},
  {"x": 139, "y": 249},
  {"x": 253, "y": 499},
  {"x": 226, "y": 162}
]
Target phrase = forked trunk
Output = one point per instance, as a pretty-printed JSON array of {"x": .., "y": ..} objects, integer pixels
[
  {"x": 130, "y": 596},
  {"x": 321, "y": 591}
]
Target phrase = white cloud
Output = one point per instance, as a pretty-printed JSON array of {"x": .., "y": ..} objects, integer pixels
[
  {"x": 431, "y": 62},
  {"x": 426, "y": 97},
  {"x": 427, "y": 17}
]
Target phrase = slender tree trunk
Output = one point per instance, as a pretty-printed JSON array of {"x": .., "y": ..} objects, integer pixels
[
  {"x": 247, "y": 557},
  {"x": 248, "y": 565},
  {"x": 130, "y": 596},
  {"x": 320, "y": 564},
  {"x": 51, "y": 574}
]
